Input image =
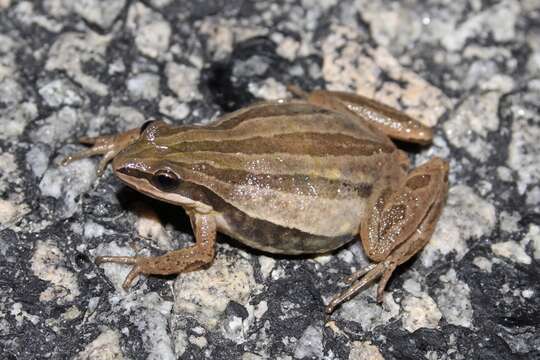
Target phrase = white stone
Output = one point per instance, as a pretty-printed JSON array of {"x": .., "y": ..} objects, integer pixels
[
  {"x": 220, "y": 36},
  {"x": 413, "y": 287},
  {"x": 199, "y": 341},
  {"x": 170, "y": 106},
  {"x": 152, "y": 32},
  {"x": 180, "y": 342},
  {"x": 183, "y": 80},
  {"x": 24, "y": 13},
  {"x": 310, "y": 344},
  {"x": 509, "y": 221},
  {"x": 13, "y": 120},
  {"x": 251, "y": 356},
  {"x": 8, "y": 212},
  {"x": 454, "y": 300},
  {"x": 466, "y": 216},
  {"x": 364, "y": 350},
  {"x": 150, "y": 227},
  {"x": 100, "y": 12},
  {"x": 511, "y": 250},
  {"x": 363, "y": 310},
  {"x": 498, "y": 20},
  {"x": 160, "y": 3},
  {"x": 255, "y": 65},
  {"x": 267, "y": 265},
  {"x": 524, "y": 148},
  {"x": 17, "y": 311},
  {"x": 483, "y": 263},
  {"x": 393, "y": 27},
  {"x": 151, "y": 314},
  {"x": 350, "y": 66},
  {"x": 477, "y": 115},
  {"x": 11, "y": 92},
  {"x": 287, "y": 47},
  {"x": 527, "y": 293},
  {"x": 420, "y": 312},
  {"x": 143, "y": 86},
  {"x": 534, "y": 235},
  {"x": 47, "y": 263},
  {"x": 268, "y": 89},
  {"x": 9, "y": 171},
  {"x": 125, "y": 117},
  {"x": 204, "y": 294},
  {"x": 60, "y": 92},
  {"x": 504, "y": 173},
  {"x": 67, "y": 183},
  {"x": 94, "y": 230},
  {"x": 105, "y": 347},
  {"x": 70, "y": 50},
  {"x": 58, "y": 127}
]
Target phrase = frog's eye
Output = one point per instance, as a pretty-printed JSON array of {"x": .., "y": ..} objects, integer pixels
[
  {"x": 165, "y": 180},
  {"x": 145, "y": 125}
]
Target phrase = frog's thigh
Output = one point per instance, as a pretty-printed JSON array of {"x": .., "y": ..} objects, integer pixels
[
  {"x": 174, "y": 262},
  {"x": 394, "y": 123},
  {"x": 407, "y": 214}
]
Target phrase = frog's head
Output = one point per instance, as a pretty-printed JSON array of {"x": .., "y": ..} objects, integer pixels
[{"x": 149, "y": 165}]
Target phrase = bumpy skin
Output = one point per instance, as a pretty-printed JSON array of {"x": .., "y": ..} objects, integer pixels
[{"x": 288, "y": 177}]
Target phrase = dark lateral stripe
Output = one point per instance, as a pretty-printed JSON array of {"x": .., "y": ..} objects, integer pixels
[
  {"x": 308, "y": 143},
  {"x": 291, "y": 184}
]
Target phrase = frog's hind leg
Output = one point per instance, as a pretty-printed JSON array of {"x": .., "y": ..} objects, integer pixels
[
  {"x": 174, "y": 262},
  {"x": 392, "y": 122},
  {"x": 400, "y": 224}
]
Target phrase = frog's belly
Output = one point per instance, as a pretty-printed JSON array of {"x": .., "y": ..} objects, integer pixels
[{"x": 266, "y": 236}]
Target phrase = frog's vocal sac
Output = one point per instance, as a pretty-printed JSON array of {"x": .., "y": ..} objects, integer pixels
[{"x": 287, "y": 177}]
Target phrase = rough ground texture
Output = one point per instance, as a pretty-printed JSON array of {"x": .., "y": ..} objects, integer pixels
[{"x": 74, "y": 68}]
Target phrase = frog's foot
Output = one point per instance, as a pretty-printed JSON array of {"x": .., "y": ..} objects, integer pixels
[
  {"x": 174, "y": 262},
  {"x": 108, "y": 146},
  {"x": 362, "y": 278}
]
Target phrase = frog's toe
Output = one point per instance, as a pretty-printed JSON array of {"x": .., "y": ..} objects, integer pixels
[
  {"x": 76, "y": 156},
  {"x": 105, "y": 161},
  {"x": 359, "y": 280},
  {"x": 135, "y": 271}
]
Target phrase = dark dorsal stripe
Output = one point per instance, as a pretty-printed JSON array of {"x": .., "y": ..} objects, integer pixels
[
  {"x": 306, "y": 143},
  {"x": 272, "y": 120},
  {"x": 305, "y": 185}
]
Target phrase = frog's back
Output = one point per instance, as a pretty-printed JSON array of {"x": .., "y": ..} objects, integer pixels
[{"x": 290, "y": 164}]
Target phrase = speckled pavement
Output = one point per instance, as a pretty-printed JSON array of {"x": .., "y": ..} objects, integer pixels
[{"x": 75, "y": 68}]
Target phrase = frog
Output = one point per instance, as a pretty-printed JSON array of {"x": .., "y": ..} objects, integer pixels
[{"x": 297, "y": 176}]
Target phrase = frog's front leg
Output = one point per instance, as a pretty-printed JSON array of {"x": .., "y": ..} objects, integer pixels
[
  {"x": 108, "y": 145},
  {"x": 174, "y": 262},
  {"x": 399, "y": 225}
]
